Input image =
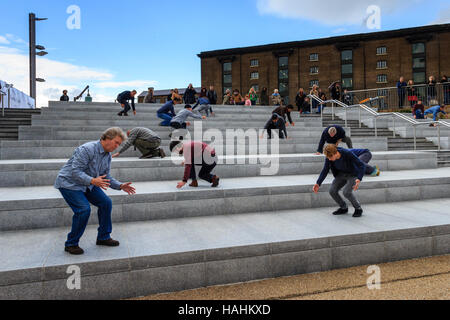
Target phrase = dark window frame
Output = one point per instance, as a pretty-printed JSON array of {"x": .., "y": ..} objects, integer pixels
[
  {"x": 227, "y": 85},
  {"x": 422, "y": 55},
  {"x": 284, "y": 94},
  {"x": 347, "y": 75}
]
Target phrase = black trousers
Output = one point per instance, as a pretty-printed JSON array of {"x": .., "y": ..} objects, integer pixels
[
  {"x": 177, "y": 125},
  {"x": 205, "y": 172},
  {"x": 274, "y": 127},
  {"x": 127, "y": 107}
]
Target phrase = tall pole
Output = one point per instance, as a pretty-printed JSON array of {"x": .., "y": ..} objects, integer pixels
[{"x": 32, "y": 27}]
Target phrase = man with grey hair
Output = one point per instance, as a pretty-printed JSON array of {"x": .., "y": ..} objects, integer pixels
[
  {"x": 334, "y": 135},
  {"x": 144, "y": 139},
  {"x": 149, "y": 96},
  {"x": 81, "y": 182}
]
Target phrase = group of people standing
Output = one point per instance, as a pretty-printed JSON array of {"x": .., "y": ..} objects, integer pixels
[{"x": 408, "y": 91}]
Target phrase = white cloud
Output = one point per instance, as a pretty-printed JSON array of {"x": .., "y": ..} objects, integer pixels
[
  {"x": 15, "y": 39},
  {"x": 329, "y": 12},
  {"x": 61, "y": 76},
  {"x": 126, "y": 84},
  {"x": 3, "y": 40},
  {"x": 443, "y": 17}
]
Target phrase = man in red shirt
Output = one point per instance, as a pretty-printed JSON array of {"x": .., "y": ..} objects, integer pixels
[{"x": 196, "y": 153}]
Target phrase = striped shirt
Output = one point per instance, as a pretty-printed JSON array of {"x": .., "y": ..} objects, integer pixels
[
  {"x": 88, "y": 162},
  {"x": 141, "y": 134}
]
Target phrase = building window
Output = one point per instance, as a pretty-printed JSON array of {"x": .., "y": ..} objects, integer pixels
[
  {"x": 382, "y": 78},
  {"x": 312, "y": 83},
  {"x": 314, "y": 57},
  {"x": 382, "y": 64},
  {"x": 419, "y": 62},
  {"x": 314, "y": 70},
  {"x": 283, "y": 78},
  {"x": 381, "y": 51},
  {"x": 254, "y": 63},
  {"x": 347, "y": 69},
  {"x": 254, "y": 75},
  {"x": 227, "y": 79}
]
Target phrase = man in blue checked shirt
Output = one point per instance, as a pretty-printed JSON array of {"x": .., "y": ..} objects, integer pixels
[{"x": 81, "y": 182}]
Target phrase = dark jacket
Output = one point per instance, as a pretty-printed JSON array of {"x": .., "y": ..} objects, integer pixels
[
  {"x": 280, "y": 125},
  {"x": 167, "y": 108},
  {"x": 420, "y": 107},
  {"x": 264, "y": 98},
  {"x": 64, "y": 98},
  {"x": 401, "y": 87},
  {"x": 283, "y": 112},
  {"x": 352, "y": 165},
  {"x": 189, "y": 96},
  {"x": 212, "y": 97},
  {"x": 326, "y": 137},
  {"x": 125, "y": 97},
  {"x": 299, "y": 99},
  {"x": 335, "y": 93}
]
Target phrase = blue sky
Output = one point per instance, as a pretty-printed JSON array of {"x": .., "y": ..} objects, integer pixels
[{"x": 134, "y": 44}]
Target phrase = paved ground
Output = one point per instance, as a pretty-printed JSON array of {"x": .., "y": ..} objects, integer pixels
[{"x": 422, "y": 279}]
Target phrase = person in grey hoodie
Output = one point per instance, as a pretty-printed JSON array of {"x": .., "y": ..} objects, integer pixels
[{"x": 179, "y": 121}]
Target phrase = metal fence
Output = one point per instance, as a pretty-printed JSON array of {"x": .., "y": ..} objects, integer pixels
[{"x": 395, "y": 99}]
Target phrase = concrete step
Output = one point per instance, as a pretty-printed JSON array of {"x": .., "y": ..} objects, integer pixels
[
  {"x": 29, "y": 173},
  {"x": 59, "y": 150},
  {"x": 174, "y": 255},
  {"x": 43, "y": 207}
]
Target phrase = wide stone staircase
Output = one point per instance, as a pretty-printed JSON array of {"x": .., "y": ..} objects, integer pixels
[
  {"x": 262, "y": 222},
  {"x": 13, "y": 119},
  {"x": 396, "y": 143}
]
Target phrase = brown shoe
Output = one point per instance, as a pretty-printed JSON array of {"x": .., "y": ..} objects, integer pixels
[
  {"x": 162, "y": 154},
  {"x": 215, "y": 181},
  {"x": 76, "y": 250},
  {"x": 108, "y": 243},
  {"x": 194, "y": 184}
]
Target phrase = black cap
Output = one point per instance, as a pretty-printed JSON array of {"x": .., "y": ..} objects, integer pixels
[{"x": 188, "y": 106}]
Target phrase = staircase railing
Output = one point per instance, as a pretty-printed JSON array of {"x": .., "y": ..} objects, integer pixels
[{"x": 375, "y": 115}]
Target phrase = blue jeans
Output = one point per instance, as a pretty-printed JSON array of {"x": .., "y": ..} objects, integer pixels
[
  {"x": 419, "y": 115},
  {"x": 80, "y": 202},
  {"x": 166, "y": 117},
  {"x": 435, "y": 115}
]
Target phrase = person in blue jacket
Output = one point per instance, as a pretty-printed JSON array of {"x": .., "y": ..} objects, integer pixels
[
  {"x": 204, "y": 106},
  {"x": 167, "y": 112},
  {"x": 348, "y": 171},
  {"x": 365, "y": 156},
  {"x": 435, "y": 112}
]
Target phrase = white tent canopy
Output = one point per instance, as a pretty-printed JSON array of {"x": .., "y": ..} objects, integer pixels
[{"x": 17, "y": 99}]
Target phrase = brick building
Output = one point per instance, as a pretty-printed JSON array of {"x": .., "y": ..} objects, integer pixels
[{"x": 361, "y": 61}]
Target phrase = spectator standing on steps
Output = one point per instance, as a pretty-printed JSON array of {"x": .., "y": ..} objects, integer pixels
[
  {"x": 334, "y": 135},
  {"x": 348, "y": 171},
  {"x": 264, "y": 97},
  {"x": 300, "y": 99},
  {"x": 212, "y": 96},
  {"x": 64, "y": 97},
  {"x": 227, "y": 98},
  {"x": 276, "y": 98},
  {"x": 146, "y": 140},
  {"x": 401, "y": 91},
  {"x": 253, "y": 96},
  {"x": 123, "y": 99},
  {"x": 189, "y": 95},
  {"x": 149, "y": 97}
]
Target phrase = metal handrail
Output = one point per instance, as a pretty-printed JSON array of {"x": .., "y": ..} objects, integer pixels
[
  {"x": 376, "y": 114},
  {"x": 3, "y": 103}
]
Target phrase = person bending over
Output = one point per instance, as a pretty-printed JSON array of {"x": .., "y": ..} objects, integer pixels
[
  {"x": 81, "y": 182},
  {"x": 196, "y": 153},
  {"x": 123, "y": 99},
  {"x": 167, "y": 112},
  {"x": 179, "y": 121},
  {"x": 285, "y": 111},
  {"x": 365, "y": 156},
  {"x": 348, "y": 171},
  {"x": 146, "y": 140},
  {"x": 204, "y": 106},
  {"x": 334, "y": 135},
  {"x": 435, "y": 112},
  {"x": 276, "y": 123}
]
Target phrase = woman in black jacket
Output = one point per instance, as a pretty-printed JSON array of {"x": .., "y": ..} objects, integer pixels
[
  {"x": 189, "y": 95},
  {"x": 264, "y": 99}
]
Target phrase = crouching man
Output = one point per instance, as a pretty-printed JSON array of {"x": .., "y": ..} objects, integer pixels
[
  {"x": 348, "y": 171},
  {"x": 81, "y": 182},
  {"x": 146, "y": 140},
  {"x": 196, "y": 153}
]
